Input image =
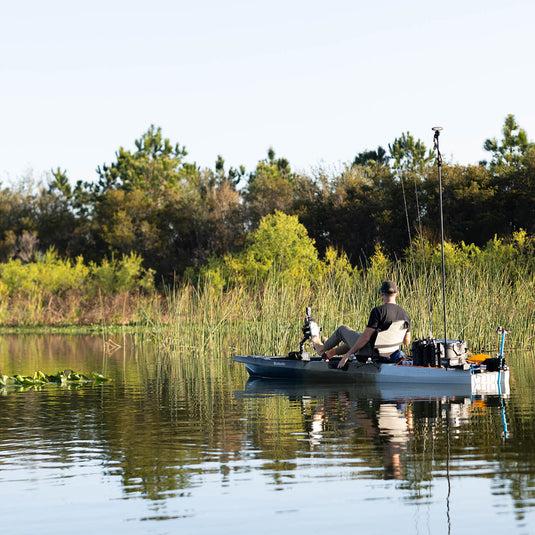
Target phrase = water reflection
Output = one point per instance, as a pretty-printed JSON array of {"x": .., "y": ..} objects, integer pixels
[
  {"x": 172, "y": 432},
  {"x": 384, "y": 426}
]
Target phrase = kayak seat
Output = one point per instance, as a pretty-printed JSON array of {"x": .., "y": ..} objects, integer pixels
[{"x": 386, "y": 343}]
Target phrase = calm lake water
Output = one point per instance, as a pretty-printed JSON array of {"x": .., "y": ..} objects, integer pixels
[{"x": 189, "y": 445}]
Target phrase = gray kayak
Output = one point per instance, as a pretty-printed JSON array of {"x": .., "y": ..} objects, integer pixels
[{"x": 474, "y": 378}]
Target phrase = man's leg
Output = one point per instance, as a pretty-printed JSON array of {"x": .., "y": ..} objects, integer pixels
[{"x": 343, "y": 335}]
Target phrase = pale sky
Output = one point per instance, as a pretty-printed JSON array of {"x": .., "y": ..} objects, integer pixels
[{"x": 317, "y": 81}]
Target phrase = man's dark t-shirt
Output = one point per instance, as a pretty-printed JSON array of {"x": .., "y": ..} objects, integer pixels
[{"x": 383, "y": 316}]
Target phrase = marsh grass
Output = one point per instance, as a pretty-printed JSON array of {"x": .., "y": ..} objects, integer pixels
[
  {"x": 268, "y": 319},
  {"x": 76, "y": 309}
]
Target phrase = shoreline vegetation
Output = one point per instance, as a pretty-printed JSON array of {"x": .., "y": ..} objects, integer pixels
[
  {"x": 256, "y": 305},
  {"x": 158, "y": 245}
]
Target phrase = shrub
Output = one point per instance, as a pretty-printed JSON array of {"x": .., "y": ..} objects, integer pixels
[
  {"x": 114, "y": 276},
  {"x": 52, "y": 290},
  {"x": 279, "y": 248}
]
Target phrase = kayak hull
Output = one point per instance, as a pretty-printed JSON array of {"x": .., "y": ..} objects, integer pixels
[{"x": 478, "y": 380}]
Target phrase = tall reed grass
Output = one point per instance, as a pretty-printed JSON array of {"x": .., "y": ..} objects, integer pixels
[{"x": 268, "y": 319}]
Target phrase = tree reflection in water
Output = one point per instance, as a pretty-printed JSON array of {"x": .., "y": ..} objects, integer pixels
[{"x": 170, "y": 426}]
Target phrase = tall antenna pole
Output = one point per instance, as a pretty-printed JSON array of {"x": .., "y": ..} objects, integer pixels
[{"x": 437, "y": 130}]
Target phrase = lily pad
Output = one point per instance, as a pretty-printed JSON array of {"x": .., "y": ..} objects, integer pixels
[{"x": 39, "y": 378}]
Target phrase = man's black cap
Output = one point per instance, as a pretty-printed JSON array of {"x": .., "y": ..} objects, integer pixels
[{"x": 388, "y": 287}]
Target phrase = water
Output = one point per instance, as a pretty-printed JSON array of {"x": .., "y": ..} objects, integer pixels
[{"x": 188, "y": 445}]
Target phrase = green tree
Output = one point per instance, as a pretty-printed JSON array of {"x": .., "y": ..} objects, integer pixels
[
  {"x": 172, "y": 213},
  {"x": 146, "y": 203},
  {"x": 510, "y": 152},
  {"x": 155, "y": 166},
  {"x": 358, "y": 208},
  {"x": 272, "y": 186},
  {"x": 17, "y": 219},
  {"x": 408, "y": 154},
  {"x": 63, "y": 217},
  {"x": 513, "y": 167},
  {"x": 378, "y": 157},
  {"x": 469, "y": 204}
]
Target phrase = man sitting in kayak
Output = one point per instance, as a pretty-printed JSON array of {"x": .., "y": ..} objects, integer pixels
[{"x": 346, "y": 341}]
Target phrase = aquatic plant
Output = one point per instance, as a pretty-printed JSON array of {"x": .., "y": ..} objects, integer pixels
[{"x": 61, "y": 377}]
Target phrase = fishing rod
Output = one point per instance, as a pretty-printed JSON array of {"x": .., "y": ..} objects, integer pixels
[
  {"x": 413, "y": 267},
  {"x": 427, "y": 297},
  {"x": 437, "y": 130}
]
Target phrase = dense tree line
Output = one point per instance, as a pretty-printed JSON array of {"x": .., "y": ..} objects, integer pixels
[{"x": 176, "y": 215}]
